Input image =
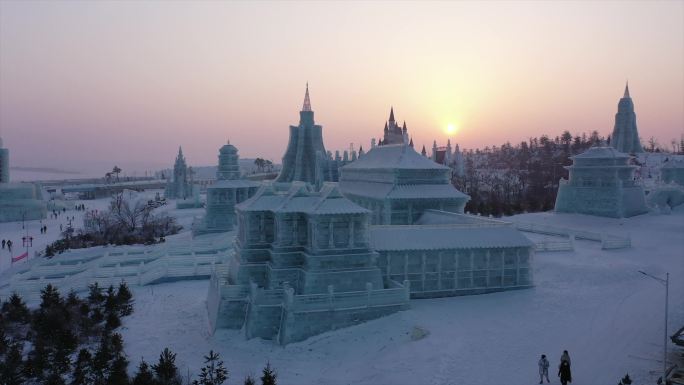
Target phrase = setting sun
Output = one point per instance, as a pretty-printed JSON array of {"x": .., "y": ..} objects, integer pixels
[{"x": 451, "y": 129}]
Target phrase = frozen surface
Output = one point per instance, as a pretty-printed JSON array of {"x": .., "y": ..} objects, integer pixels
[{"x": 591, "y": 302}]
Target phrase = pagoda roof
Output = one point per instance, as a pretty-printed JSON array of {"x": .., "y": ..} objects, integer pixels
[
  {"x": 601, "y": 152},
  {"x": 394, "y": 156},
  {"x": 300, "y": 199},
  {"x": 444, "y": 237}
]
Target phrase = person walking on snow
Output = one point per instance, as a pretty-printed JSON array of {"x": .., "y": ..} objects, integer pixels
[
  {"x": 543, "y": 369},
  {"x": 565, "y": 357},
  {"x": 564, "y": 373}
]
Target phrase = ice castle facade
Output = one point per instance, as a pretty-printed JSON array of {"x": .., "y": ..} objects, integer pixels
[
  {"x": 601, "y": 182},
  {"x": 18, "y": 201},
  {"x": 625, "y": 137},
  {"x": 228, "y": 190}
]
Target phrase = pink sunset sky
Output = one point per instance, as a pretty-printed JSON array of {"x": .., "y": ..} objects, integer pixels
[{"x": 92, "y": 84}]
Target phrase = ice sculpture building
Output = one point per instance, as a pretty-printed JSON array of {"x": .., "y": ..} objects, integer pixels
[
  {"x": 181, "y": 186},
  {"x": 228, "y": 190},
  {"x": 625, "y": 137},
  {"x": 312, "y": 256},
  {"x": 601, "y": 182},
  {"x": 18, "y": 201},
  {"x": 306, "y": 159},
  {"x": 302, "y": 265},
  {"x": 673, "y": 172},
  {"x": 397, "y": 185}
]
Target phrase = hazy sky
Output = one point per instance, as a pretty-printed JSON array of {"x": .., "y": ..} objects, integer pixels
[{"x": 126, "y": 82}]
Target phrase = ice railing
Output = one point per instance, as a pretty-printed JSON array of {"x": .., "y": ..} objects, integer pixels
[
  {"x": 608, "y": 241},
  {"x": 396, "y": 295},
  {"x": 137, "y": 266}
]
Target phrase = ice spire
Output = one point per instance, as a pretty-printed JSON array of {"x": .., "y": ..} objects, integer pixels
[
  {"x": 307, "y": 102},
  {"x": 404, "y": 128},
  {"x": 391, "y": 118},
  {"x": 626, "y": 95}
]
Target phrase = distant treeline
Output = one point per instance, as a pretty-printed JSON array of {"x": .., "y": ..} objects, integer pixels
[{"x": 513, "y": 179}]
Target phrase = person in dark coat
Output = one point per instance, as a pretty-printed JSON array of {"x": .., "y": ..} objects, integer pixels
[{"x": 564, "y": 373}]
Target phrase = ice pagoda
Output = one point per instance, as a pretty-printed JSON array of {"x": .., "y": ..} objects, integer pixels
[
  {"x": 18, "y": 201},
  {"x": 228, "y": 190},
  {"x": 397, "y": 185},
  {"x": 306, "y": 159},
  {"x": 302, "y": 266},
  {"x": 625, "y": 136},
  {"x": 601, "y": 182}
]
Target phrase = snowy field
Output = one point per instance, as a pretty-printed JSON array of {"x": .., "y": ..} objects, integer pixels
[{"x": 592, "y": 302}]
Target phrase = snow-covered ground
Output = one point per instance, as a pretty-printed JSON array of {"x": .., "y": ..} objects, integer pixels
[
  {"x": 592, "y": 302},
  {"x": 14, "y": 231}
]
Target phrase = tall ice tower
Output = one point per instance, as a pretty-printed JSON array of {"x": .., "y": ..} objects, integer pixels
[
  {"x": 4, "y": 164},
  {"x": 625, "y": 136},
  {"x": 306, "y": 140}
]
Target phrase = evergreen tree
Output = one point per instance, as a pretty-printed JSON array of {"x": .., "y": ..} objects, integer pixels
[
  {"x": 124, "y": 299},
  {"x": 83, "y": 369},
  {"x": 165, "y": 370},
  {"x": 213, "y": 372},
  {"x": 268, "y": 375},
  {"x": 625, "y": 380},
  {"x": 118, "y": 374},
  {"x": 144, "y": 376},
  {"x": 49, "y": 297},
  {"x": 95, "y": 296},
  {"x": 11, "y": 369},
  {"x": 249, "y": 380},
  {"x": 14, "y": 310}
]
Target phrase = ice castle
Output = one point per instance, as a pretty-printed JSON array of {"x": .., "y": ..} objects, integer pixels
[
  {"x": 601, "y": 182},
  {"x": 625, "y": 136},
  {"x": 18, "y": 201},
  {"x": 228, "y": 190},
  {"x": 308, "y": 259}
]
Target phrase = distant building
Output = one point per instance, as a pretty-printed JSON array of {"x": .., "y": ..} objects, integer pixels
[
  {"x": 228, "y": 190},
  {"x": 181, "y": 187},
  {"x": 393, "y": 134},
  {"x": 18, "y": 201},
  {"x": 4, "y": 164},
  {"x": 625, "y": 136},
  {"x": 601, "y": 182}
]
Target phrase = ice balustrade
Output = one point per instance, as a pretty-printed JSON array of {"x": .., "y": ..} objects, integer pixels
[
  {"x": 137, "y": 267},
  {"x": 608, "y": 241},
  {"x": 345, "y": 300}
]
